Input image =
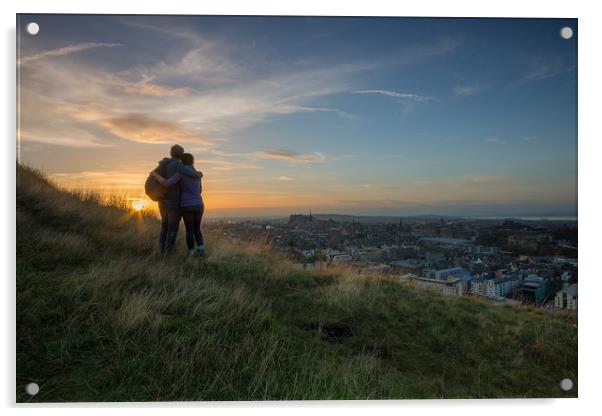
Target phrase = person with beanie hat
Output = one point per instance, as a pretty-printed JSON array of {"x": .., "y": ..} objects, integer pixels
[{"x": 169, "y": 205}]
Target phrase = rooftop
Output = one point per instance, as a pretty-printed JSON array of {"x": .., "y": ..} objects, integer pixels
[
  {"x": 447, "y": 281},
  {"x": 571, "y": 290}
]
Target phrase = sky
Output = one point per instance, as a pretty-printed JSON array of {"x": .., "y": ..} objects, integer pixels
[{"x": 364, "y": 116}]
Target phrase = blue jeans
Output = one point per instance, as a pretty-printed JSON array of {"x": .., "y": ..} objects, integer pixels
[{"x": 170, "y": 222}]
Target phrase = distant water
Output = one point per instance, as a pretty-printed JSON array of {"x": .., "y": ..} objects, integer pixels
[{"x": 552, "y": 218}]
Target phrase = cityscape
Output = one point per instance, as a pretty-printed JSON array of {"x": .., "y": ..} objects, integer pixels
[{"x": 506, "y": 261}]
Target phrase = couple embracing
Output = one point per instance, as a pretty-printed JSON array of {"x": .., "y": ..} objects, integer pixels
[{"x": 179, "y": 197}]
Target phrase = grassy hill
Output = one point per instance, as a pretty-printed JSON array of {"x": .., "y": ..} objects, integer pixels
[{"x": 102, "y": 317}]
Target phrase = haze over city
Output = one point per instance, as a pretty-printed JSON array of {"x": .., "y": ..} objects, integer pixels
[{"x": 367, "y": 116}]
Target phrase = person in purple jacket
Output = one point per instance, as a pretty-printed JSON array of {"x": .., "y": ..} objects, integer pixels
[{"x": 191, "y": 202}]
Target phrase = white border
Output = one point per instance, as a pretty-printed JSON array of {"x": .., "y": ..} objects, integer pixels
[{"x": 590, "y": 178}]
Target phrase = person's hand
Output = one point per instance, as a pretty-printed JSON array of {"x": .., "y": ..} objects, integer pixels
[{"x": 155, "y": 174}]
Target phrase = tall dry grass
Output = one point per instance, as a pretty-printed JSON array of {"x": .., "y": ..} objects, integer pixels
[{"x": 102, "y": 316}]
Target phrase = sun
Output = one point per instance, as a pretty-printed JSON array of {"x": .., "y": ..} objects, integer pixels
[{"x": 138, "y": 204}]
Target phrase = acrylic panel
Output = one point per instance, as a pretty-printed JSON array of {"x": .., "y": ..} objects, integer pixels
[{"x": 235, "y": 208}]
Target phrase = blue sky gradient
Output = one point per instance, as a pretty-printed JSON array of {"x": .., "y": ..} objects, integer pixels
[{"x": 375, "y": 116}]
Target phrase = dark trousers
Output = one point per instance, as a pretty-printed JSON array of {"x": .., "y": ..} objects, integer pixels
[
  {"x": 170, "y": 222},
  {"x": 192, "y": 220}
]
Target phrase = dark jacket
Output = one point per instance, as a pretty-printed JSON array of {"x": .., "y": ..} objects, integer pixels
[
  {"x": 190, "y": 185},
  {"x": 168, "y": 167}
]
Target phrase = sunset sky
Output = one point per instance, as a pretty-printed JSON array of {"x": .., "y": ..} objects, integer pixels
[{"x": 366, "y": 116}]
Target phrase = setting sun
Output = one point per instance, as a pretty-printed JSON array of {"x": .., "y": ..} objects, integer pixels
[{"x": 138, "y": 204}]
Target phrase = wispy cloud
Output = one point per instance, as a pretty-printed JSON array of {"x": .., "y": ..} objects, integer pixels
[
  {"x": 284, "y": 178},
  {"x": 529, "y": 138},
  {"x": 142, "y": 128},
  {"x": 466, "y": 90},
  {"x": 65, "y": 50},
  {"x": 395, "y": 94},
  {"x": 541, "y": 69},
  {"x": 183, "y": 32},
  {"x": 205, "y": 88},
  {"x": 302, "y": 109},
  {"x": 93, "y": 95},
  {"x": 291, "y": 156},
  {"x": 146, "y": 87}
]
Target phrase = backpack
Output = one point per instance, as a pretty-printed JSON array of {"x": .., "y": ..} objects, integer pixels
[{"x": 153, "y": 188}]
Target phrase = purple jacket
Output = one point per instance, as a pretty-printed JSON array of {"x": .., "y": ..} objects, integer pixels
[{"x": 190, "y": 185}]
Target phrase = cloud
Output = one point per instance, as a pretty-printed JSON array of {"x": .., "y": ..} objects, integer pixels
[
  {"x": 142, "y": 128},
  {"x": 546, "y": 68},
  {"x": 466, "y": 90},
  {"x": 147, "y": 88},
  {"x": 65, "y": 50},
  {"x": 301, "y": 109},
  {"x": 496, "y": 140},
  {"x": 198, "y": 89},
  {"x": 395, "y": 94},
  {"x": 284, "y": 178},
  {"x": 290, "y": 156},
  {"x": 529, "y": 138},
  {"x": 76, "y": 95},
  {"x": 43, "y": 120},
  {"x": 141, "y": 22}
]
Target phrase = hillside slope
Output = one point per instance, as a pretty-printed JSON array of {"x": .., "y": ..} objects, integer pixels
[{"x": 102, "y": 317}]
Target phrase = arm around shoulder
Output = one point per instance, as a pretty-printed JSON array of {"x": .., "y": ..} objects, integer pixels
[{"x": 171, "y": 181}]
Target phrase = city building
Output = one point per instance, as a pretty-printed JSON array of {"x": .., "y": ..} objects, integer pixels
[
  {"x": 435, "y": 259},
  {"x": 501, "y": 286},
  {"x": 453, "y": 272},
  {"x": 567, "y": 298},
  {"x": 566, "y": 276},
  {"x": 478, "y": 286},
  {"x": 533, "y": 289},
  {"x": 445, "y": 273},
  {"x": 450, "y": 286}
]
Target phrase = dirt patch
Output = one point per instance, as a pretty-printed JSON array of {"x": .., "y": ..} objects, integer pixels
[{"x": 335, "y": 333}]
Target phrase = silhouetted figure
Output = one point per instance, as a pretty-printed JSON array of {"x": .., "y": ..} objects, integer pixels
[
  {"x": 169, "y": 206},
  {"x": 191, "y": 202}
]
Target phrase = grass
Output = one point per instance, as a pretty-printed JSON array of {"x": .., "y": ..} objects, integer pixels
[{"x": 101, "y": 316}]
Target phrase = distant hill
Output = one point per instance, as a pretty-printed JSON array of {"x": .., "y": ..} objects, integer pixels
[
  {"x": 407, "y": 219},
  {"x": 367, "y": 219},
  {"x": 101, "y": 316}
]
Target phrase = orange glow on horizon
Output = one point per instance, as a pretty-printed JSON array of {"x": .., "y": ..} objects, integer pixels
[{"x": 228, "y": 194}]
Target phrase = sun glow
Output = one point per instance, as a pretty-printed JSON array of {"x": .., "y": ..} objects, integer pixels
[{"x": 139, "y": 204}]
